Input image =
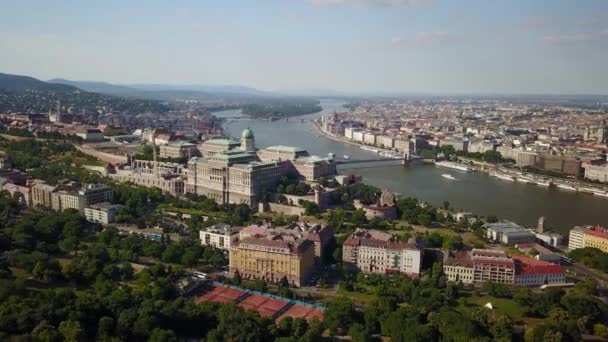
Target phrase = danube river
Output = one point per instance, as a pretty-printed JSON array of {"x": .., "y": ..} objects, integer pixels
[{"x": 479, "y": 193}]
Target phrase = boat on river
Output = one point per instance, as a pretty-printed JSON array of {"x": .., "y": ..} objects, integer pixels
[
  {"x": 448, "y": 176},
  {"x": 452, "y": 165}
]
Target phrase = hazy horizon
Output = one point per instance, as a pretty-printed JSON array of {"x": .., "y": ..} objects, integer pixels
[{"x": 347, "y": 46}]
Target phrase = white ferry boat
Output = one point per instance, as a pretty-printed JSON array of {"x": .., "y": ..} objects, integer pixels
[
  {"x": 503, "y": 177},
  {"x": 586, "y": 190},
  {"x": 448, "y": 176},
  {"x": 566, "y": 187},
  {"x": 455, "y": 166},
  {"x": 369, "y": 149}
]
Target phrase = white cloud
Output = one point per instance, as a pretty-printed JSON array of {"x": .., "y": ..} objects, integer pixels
[
  {"x": 569, "y": 38},
  {"x": 396, "y": 40},
  {"x": 424, "y": 38},
  {"x": 431, "y": 37},
  {"x": 372, "y": 3},
  {"x": 183, "y": 11}
]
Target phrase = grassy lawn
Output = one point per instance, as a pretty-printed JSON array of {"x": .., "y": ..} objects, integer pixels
[
  {"x": 64, "y": 262},
  {"x": 471, "y": 240},
  {"x": 277, "y": 216},
  {"x": 78, "y": 160},
  {"x": 356, "y": 297},
  {"x": 468, "y": 238},
  {"x": 191, "y": 211},
  {"x": 503, "y": 306},
  {"x": 19, "y": 273}
]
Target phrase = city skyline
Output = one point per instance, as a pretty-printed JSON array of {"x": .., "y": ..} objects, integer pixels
[{"x": 351, "y": 47}]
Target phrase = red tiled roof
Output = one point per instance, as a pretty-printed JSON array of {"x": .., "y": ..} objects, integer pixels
[
  {"x": 494, "y": 262},
  {"x": 531, "y": 266},
  {"x": 598, "y": 231},
  {"x": 460, "y": 258},
  {"x": 488, "y": 253}
]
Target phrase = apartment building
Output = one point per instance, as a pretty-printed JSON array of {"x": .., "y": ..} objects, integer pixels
[
  {"x": 219, "y": 235},
  {"x": 273, "y": 257},
  {"x": 479, "y": 266},
  {"x": 373, "y": 251},
  {"x": 104, "y": 212},
  {"x": 595, "y": 237}
]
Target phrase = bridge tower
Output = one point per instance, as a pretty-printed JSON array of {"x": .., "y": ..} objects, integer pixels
[{"x": 405, "y": 159}]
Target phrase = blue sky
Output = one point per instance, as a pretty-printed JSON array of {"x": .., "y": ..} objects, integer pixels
[{"x": 372, "y": 46}]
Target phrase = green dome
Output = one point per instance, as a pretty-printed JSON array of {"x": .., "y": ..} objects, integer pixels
[{"x": 247, "y": 134}]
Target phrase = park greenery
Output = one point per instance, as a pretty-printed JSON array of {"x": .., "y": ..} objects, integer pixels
[
  {"x": 591, "y": 257},
  {"x": 283, "y": 107},
  {"x": 63, "y": 278},
  {"x": 448, "y": 152}
]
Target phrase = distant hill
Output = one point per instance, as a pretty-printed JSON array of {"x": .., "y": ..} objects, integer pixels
[
  {"x": 210, "y": 89},
  {"x": 98, "y": 87},
  {"x": 22, "y": 83},
  {"x": 167, "y": 91}
]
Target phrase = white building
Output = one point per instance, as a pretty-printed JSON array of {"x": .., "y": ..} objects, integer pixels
[
  {"x": 358, "y": 136},
  {"x": 220, "y": 235},
  {"x": 369, "y": 138},
  {"x": 348, "y": 133},
  {"x": 373, "y": 251},
  {"x": 596, "y": 172},
  {"x": 90, "y": 134},
  {"x": 576, "y": 238},
  {"x": 549, "y": 239},
  {"x": 103, "y": 213},
  {"x": 508, "y": 233}
]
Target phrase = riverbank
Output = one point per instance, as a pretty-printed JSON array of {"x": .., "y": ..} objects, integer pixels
[
  {"x": 500, "y": 172},
  {"x": 340, "y": 139},
  {"x": 550, "y": 182},
  {"x": 476, "y": 192}
]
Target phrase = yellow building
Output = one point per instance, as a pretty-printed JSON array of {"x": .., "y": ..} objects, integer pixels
[
  {"x": 596, "y": 237},
  {"x": 272, "y": 258}
]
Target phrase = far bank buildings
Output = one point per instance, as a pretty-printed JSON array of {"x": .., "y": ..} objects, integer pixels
[{"x": 231, "y": 173}]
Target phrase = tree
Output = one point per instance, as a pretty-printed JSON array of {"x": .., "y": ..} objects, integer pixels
[
  {"x": 290, "y": 189},
  {"x": 162, "y": 335},
  {"x": 335, "y": 218},
  {"x": 339, "y": 314},
  {"x": 105, "y": 328},
  {"x": 453, "y": 242},
  {"x": 358, "y": 217},
  {"x": 600, "y": 330},
  {"x": 310, "y": 208},
  {"x": 300, "y": 326},
  {"x": 358, "y": 333},
  {"x": 45, "y": 332},
  {"x": 492, "y": 219},
  {"x": 260, "y": 285},
  {"x": 425, "y": 219},
  {"x": 190, "y": 258},
  {"x": 496, "y": 290},
  {"x": 236, "y": 278},
  {"x": 71, "y": 331}
]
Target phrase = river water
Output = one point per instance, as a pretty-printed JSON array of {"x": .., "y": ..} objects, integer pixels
[{"x": 476, "y": 192}]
